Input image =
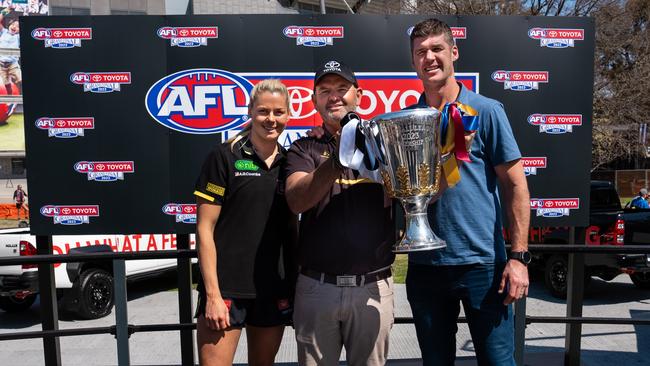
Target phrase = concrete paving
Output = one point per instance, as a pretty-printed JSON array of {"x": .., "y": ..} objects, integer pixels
[{"x": 155, "y": 301}]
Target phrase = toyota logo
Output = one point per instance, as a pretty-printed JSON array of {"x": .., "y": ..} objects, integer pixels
[
  {"x": 298, "y": 97},
  {"x": 332, "y": 64}
]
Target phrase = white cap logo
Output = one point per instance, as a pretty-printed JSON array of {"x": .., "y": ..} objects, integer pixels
[{"x": 332, "y": 65}]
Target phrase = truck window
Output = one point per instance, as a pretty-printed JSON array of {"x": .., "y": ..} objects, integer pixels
[{"x": 605, "y": 198}]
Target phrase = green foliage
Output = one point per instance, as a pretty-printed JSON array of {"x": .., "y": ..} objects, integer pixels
[
  {"x": 12, "y": 135},
  {"x": 399, "y": 268}
]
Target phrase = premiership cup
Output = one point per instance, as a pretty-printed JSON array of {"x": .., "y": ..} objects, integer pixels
[{"x": 407, "y": 145}]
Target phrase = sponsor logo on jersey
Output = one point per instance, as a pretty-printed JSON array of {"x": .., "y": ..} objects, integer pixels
[
  {"x": 216, "y": 189},
  {"x": 246, "y": 168},
  {"x": 520, "y": 80},
  {"x": 531, "y": 164},
  {"x": 62, "y": 37},
  {"x": 554, "y": 207},
  {"x": 65, "y": 127},
  {"x": 555, "y": 123},
  {"x": 246, "y": 165},
  {"x": 70, "y": 215},
  {"x": 313, "y": 36},
  {"x": 101, "y": 82},
  {"x": 188, "y": 36},
  {"x": 456, "y": 32},
  {"x": 184, "y": 213},
  {"x": 200, "y": 101},
  {"x": 556, "y": 37},
  {"x": 105, "y": 171}
]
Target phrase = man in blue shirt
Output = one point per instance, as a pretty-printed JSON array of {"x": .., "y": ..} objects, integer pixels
[
  {"x": 473, "y": 269},
  {"x": 640, "y": 201}
]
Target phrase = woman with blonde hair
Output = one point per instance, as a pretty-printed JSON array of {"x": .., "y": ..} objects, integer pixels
[{"x": 243, "y": 228}]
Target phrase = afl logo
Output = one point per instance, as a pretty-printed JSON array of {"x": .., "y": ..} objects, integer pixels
[
  {"x": 50, "y": 211},
  {"x": 200, "y": 101}
]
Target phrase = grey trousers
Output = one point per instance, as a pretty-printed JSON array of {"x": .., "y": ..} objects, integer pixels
[{"x": 327, "y": 318}]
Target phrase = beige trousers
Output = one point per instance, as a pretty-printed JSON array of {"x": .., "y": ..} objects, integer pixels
[{"x": 327, "y": 318}]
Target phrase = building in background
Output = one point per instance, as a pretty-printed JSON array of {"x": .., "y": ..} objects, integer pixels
[
  {"x": 178, "y": 7},
  {"x": 118, "y": 7}
]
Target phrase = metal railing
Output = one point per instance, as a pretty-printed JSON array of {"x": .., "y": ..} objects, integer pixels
[{"x": 122, "y": 330}]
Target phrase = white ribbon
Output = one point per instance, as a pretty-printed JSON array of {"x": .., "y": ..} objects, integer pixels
[{"x": 352, "y": 157}]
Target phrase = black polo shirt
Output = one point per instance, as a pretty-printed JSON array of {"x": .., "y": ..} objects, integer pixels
[
  {"x": 253, "y": 223},
  {"x": 351, "y": 230}
]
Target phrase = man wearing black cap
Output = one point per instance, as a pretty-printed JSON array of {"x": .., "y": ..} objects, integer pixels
[{"x": 344, "y": 294}]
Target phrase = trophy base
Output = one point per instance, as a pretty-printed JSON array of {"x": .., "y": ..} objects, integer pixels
[{"x": 418, "y": 235}]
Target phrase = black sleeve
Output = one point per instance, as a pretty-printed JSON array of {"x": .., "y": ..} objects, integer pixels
[
  {"x": 299, "y": 158},
  {"x": 212, "y": 183}
]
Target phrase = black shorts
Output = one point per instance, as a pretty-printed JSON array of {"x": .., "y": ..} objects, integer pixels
[
  {"x": 19, "y": 205},
  {"x": 254, "y": 312}
]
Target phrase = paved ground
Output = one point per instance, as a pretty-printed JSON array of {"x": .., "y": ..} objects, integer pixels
[{"x": 152, "y": 301}]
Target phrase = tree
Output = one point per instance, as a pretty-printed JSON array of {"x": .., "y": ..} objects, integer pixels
[
  {"x": 621, "y": 80},
  {"x": 622, "y": 61}
]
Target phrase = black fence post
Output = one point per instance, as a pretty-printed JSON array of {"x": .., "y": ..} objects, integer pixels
[
  {"x": 49, "y": 309},
  {"x": 575, "y": 295},
  {"x": 520, "y": 331},
  {"x": 121, "y": 314},
  {"x": 185, "y": 300}
]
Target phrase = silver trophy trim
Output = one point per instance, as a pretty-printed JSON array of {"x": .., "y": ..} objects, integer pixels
[{"x": 407, "y": 145}]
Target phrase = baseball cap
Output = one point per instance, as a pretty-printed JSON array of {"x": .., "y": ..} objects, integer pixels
[
  {"x": 337, "y": 68},
  {"x": 643, "y": 192}
]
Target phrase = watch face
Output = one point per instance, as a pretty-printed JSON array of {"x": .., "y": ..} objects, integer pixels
[{"x": 526, "y": 257}]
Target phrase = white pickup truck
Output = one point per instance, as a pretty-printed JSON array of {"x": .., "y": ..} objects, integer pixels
[{"x": 84, "y": 288}]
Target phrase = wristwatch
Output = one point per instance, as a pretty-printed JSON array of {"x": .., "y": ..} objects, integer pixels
[{"x": 523, "y": 257}]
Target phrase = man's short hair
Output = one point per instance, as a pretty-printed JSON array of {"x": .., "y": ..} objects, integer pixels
[
  {"x": 643, "y": 192},
  {"x": 432, "y": 27}
]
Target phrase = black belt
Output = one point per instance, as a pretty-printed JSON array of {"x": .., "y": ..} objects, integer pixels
[{"x": 347, "y": 280}]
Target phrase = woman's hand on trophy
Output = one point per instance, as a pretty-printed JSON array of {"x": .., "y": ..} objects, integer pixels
[{"x": 316, "y": 132}]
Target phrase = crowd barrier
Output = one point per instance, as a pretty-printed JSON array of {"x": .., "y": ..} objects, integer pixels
[{"x": 122, "y": 329}]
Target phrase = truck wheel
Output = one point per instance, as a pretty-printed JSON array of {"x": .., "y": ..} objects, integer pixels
[
  {"x": 95, "y": 293},
  {"x": 641, "y": 280},
  {"x": 12, "y": 304},
  {"x": 555, "y": 275}
]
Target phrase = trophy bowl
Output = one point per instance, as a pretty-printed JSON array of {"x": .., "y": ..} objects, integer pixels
[{"x": 408, "y": 147}]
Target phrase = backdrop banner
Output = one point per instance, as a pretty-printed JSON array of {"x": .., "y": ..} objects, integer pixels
[{"x": 120, "y": 112}]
